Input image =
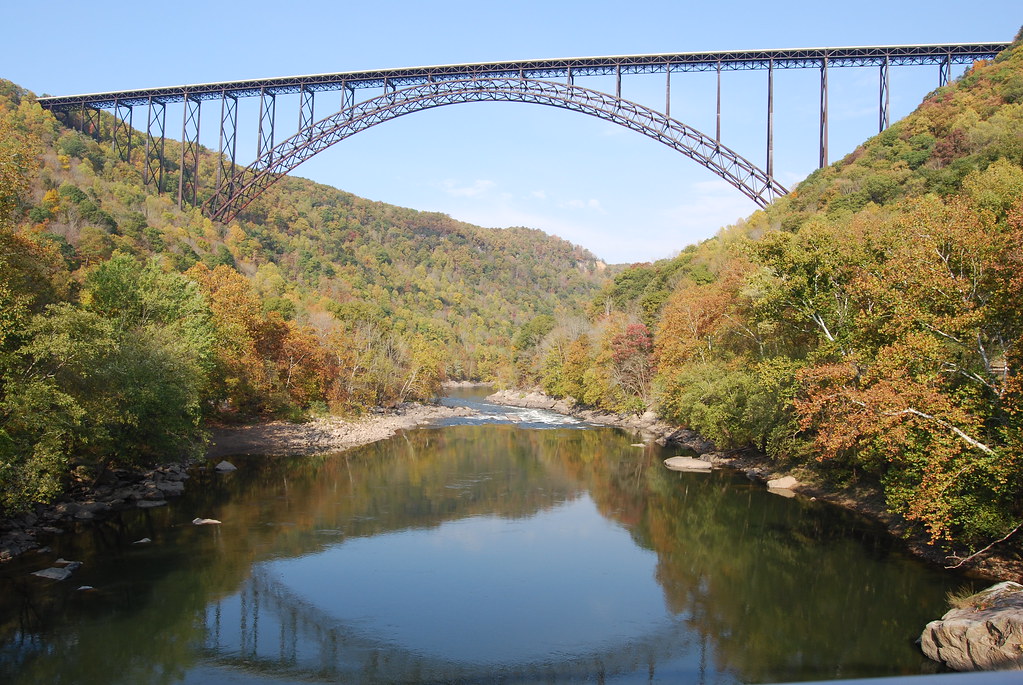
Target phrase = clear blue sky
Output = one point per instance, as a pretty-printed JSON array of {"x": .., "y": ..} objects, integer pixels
[{"x": 623, "y": 196}]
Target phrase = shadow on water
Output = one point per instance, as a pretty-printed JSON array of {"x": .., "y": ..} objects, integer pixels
[{"x": 473, "y": 553}]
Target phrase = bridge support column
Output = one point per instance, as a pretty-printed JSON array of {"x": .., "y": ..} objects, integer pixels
[
  {"x": 667, "y": 90},
  {"x": 122, "y": 131},
  {"x": 228, "y": 144},
  {"x": 945, "y": 71},
  {"x": 717, "y": 132},
  {"x": 267, "y": 114},
  {"x": 188, "y": 179},
  {"x": 770, "y": 119},
  {"x": 157, "y": 113},
  {"x": 824, "y": 114},
  {"x": 89, "y": 121},
  {"x": 884, "y": 99},
  {"x": 307, "y": 107},
  {"x": 347, "y": 97}
]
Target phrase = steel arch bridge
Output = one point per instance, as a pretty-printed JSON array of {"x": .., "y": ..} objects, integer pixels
[
  {"x": 414, "y": 89},
  {"x": 248, "y": 183}
]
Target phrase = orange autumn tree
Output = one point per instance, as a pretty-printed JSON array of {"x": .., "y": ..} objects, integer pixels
[
  {"x": 264, "y": 363},
  {"x": 918, "y": 396}
]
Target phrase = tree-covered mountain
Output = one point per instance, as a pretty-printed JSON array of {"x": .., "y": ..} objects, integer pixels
[
  {"x": 125, "y": 322},
  {"x": 868, "y": 326}
]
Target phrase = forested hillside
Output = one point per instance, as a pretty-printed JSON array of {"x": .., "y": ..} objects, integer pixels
[
  {"x": 867, "y": 326},
  {"x": 126, "y": 324}
]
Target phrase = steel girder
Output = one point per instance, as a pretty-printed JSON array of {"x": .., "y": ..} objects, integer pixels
[
  {"x": 91, "y": 121},
  {"x": 884, "y": 97},
  {"x": 152, "y": 167},
  {"x": 565, "y": 68},
  {"x": 237, "y": 192},
  {"x": 267, "y": 118},
  {"x": 228, "y": 146},
  {"x": 188, "y": 178},
  {"x": 122, "y": 131},
  {"x": 824, "y": 116}
]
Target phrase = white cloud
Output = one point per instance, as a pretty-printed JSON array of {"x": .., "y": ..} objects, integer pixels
[
  {"x": 475, "y": 189},
  {"x": 592, "y": 204},
  {"x": 713, "y": 205}
]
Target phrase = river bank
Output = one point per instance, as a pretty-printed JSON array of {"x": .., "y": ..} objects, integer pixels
[
  {"x": 757, "y": 466},
  {"x": 121, "y": 489}
]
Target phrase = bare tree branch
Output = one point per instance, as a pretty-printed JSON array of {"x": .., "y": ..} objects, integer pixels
[{"x": 978, "y": 553}]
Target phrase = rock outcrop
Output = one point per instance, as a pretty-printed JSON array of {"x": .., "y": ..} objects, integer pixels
[
  {"x": 984, "y": 634},
  {"x": 688, "y": 464},
  {"x": 118, "y": 490}
]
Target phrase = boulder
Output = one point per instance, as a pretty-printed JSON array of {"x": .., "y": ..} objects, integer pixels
[
  {"x": 171, "y": 488},
  {"x": 984, "y": 633},
  {"x": 53, "y": 573},
  {"x": 783, "y": 483},
  {"x": 225, "y": 466},
  {"x": 688, "y": 464}
]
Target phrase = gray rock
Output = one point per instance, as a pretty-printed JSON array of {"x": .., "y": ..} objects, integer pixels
[
  {"x": 985, "y": 633},
  {"x": 783, "y": 483},
  {"x": 648, "y": 418},
  {"x": 123, "y": 494},
  {"x": 66, "y": 509},
  {"x": 171, "y": 488},
  {"x": 53, "y": 573},
  {"x": 71, "y": 566},
  {"x": 688, "y": 464},
  {"x": 151, "y": 503},
  {"x": 225, "y": 466}
]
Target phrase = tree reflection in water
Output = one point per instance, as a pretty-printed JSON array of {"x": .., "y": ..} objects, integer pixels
[{"x": 749, "y": 587}]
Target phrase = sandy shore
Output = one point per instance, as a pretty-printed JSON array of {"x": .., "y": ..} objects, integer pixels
[{"x": 328, "y": 434}]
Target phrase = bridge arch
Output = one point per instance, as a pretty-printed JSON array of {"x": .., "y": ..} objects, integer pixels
[{"x": 243, "y": 187}]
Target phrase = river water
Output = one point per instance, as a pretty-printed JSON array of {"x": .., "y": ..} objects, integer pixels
[{"x": 517, "y": 546}]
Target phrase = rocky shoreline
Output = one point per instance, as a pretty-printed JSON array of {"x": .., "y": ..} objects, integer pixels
[
  {"x": 760, "y": 468},
  {"x": 121, "y": 489},
  {"x": 647, "y": 423}
]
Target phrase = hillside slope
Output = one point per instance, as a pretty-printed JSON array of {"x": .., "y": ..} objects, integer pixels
[
  {"x": 867, "y": 327},
  {"x": 126, "y": 323}
]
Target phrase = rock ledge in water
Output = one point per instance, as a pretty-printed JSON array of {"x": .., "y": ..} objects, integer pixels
[
  {"x": 687, "y": 464},
  {"x": 986, "y": 633},
  {"x": 783, "y": 483}
]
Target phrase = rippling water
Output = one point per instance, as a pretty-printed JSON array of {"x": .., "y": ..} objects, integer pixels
[{"x": 516, "y": 546}]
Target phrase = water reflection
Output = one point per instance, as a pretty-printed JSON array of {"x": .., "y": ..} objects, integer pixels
[{"x": 484, "y": 553}]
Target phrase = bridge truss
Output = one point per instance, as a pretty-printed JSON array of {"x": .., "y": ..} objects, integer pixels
[{"x": 405, "y": 90}]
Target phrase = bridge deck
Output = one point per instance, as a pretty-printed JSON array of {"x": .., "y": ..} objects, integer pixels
[{"x": 739, "y": 60}]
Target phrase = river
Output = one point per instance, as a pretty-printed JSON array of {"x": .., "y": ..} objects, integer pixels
[{"x": 516, "y": 546}]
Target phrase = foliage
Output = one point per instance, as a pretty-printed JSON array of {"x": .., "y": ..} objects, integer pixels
[
  {"x": 125, "y": 323},
  {"x": 867, "y": 325}
]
